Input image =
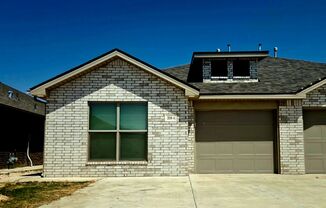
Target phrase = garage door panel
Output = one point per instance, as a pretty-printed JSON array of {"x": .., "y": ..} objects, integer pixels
[
  {"x": 243, "y": 165},
  {"x": 206, "y": 165},
  {"x": 264, "y": 148},
  {"x": 315, "y": 165},
  {"x": 238, "y": 142},
  {"x": 315, "y": 140},
  {"x": 314, "y": 148},
  {"x": 323, "y": 131},
  {"x": 224, "y": 165},
  {"x": 206, "y": 148},
  {"x": 244, "y": 148},
  {"x": 313, "y": 132},
  {"x": 264, "y": 165},
  {"x": 223, "y": 148}
]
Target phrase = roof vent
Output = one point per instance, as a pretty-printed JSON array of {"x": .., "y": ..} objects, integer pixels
[
  {"x": 229, "y": 47},
  {"x": 275, "y": 52},
  {"x": 259, "y": 47}
]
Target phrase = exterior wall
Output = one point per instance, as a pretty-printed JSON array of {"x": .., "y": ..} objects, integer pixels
[
  {"x": 316, "y": 98},
  {"x": 230, "y": 69},
  {"x": 191, "y": 137},
  {"x": 291, "y": 139},
  {"x": 253, "y": 70},
  {"x": 66, "y": 137},
  {"x": 207, "y": 70}
]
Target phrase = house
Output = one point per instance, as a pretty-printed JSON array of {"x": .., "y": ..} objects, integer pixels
[
  {"x": 225, "y": 112},
  {"x": 21, "y": 125}
]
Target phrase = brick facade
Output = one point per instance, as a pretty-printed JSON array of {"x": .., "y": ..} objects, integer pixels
[
  {"x": 171, "y": 142},
  {"x": 66, "y": 137},
  {"x": 291, "y": 140},
  {"x": 191, "y": 137},
  {"x": 207, "y": 70},
  {"x": 291, "y": 130},
  {"x": 316, "y": 98}
]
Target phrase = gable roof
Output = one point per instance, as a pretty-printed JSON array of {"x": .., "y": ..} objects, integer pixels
[
  {"x": 276, "y": 76},
  {"x": 40, "y": 90}
]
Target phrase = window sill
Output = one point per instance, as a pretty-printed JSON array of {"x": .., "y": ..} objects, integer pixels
[
  {"x": 113, "y": 163},
  {"x": 234, "y": 80}
]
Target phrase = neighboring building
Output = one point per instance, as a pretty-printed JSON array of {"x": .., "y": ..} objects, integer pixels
[
  {"x": 226, "y": 112},
  {"x": 21, "y": 122}
]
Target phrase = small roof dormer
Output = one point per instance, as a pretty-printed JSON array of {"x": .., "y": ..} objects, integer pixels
[{"x": 235, "y": 66}]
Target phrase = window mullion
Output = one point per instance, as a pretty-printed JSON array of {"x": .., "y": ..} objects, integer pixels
[{"x": 118, "y": 133}]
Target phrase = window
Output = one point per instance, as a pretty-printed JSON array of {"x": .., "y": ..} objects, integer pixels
[
  {"x": 219, "y": 68},
  {"x": 241, "y": 68},
  {"x": 118, "y": 131}
]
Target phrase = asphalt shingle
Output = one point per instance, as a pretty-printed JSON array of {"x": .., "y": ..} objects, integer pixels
[{"x": 276, "y": 76}]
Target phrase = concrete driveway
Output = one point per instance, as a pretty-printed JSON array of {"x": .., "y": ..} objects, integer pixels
[{"x": 202, "y": 191}]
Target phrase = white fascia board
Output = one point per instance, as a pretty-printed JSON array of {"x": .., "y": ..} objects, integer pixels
[
  {"x": 252, "y": 97},
  {"x": 229, "y": 55},
  {"x": 41, "y": 90},
  {"x": 312, "y": 87}
]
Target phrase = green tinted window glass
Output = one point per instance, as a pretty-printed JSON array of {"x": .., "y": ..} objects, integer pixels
[
  {"x": 102, "y": 146},
  {"x": 103, "y": 116},
  {"x": 133, "y": 146},
  {"x": 133, "y": 116}
]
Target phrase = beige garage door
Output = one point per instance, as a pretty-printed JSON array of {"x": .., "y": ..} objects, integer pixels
[
  {"x": 315, "y": 140},
  {"x": 234, "y": 142}
]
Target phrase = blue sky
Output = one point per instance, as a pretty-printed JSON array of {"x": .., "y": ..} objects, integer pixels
[{"x": 40, "y": 39}]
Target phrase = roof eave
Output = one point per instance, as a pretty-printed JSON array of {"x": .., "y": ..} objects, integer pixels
[
  {"x": 253, "y": 97},
  {"x": 41, "y": 89}
]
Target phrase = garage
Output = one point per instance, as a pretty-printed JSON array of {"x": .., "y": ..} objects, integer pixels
[
  {"x": 231, "y": 141},
  {"x": 315, "y": 140}
]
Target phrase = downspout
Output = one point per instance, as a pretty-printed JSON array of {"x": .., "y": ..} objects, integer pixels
[{"x": 27, "y": 152}]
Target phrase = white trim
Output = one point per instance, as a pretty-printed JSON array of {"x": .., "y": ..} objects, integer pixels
[
  {"x": 229, "y": 55},
  {"x": 312, "y": 87},
  {"x": 251, "y": 97},
  {"x": 41, "y": 90}
]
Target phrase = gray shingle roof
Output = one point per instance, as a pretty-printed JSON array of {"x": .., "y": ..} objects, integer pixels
[{"x": 276, "y": 76}]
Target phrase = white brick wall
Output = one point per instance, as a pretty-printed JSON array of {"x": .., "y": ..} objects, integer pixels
[
  {"x": 66, "y": 134},
  {"x": 291, "y": 137},
  {"x": 316, "y": 98},
  {"x": 291, "y": 130},
  {"x": 191, "y": 137}
]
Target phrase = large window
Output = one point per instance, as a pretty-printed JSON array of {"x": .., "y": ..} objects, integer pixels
[{"x": 118, "y": 132}]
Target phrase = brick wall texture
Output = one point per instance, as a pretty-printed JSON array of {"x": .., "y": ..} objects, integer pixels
[
  {"x": 291, "y": 130},
  {"x": 291, "y": 137},
  {"x": 66, "y": 137},
  {"x": 316, "y": 98},
  {"x": 171, "y": 142}
]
